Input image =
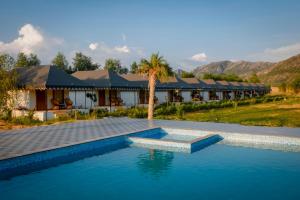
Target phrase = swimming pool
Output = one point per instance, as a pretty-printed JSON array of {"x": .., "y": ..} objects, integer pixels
[{"x": 216, "y": 172}]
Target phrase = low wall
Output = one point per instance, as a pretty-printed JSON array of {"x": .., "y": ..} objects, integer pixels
[
  {"x": 39, "y": 115},
  {"x": 274, "y": 142}
]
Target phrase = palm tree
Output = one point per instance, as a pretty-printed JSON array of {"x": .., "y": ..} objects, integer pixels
[{"x": 155, "y": 68}]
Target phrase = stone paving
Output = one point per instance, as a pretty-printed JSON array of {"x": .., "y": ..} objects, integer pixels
[{"x": 29, "y": 140}]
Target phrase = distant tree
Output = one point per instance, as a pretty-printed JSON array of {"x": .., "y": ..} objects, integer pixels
[
  {"x": 7, "y": 62},
  {"x": 185, "y": 74},
  {"x": 7, "y": 86},
  {"x": 22, "y": 60},
  {"x": 83, "y": 63},
  {"x": 27, "y": 61},
  {"x": 60, "y": 61},
  {"x": 115, "y": 65},
  {"x": 283, "y": 87},
  {"x": 123, "y": 70},
  {"x": 222, "y": 77},
  {"x": 33, "y": 60},
  {"x": 295, "y": 85},
  {"x": 134, "y": 68},
  {"x": 254, "y": 78}
]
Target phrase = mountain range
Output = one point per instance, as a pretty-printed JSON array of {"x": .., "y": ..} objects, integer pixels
[{"x": 270, "y": 73}]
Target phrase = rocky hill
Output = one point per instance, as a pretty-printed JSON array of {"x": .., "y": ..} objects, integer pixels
[
  {"x": 270, "y": 73},
  {"x": 282, "y": 72}
]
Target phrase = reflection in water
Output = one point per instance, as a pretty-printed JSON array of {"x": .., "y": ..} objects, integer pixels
[{"x": 155, "y": 162}]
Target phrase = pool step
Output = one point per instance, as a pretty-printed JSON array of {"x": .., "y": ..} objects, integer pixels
[{"x": 175, "y": 145}]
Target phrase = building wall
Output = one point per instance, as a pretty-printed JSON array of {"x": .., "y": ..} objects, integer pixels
[
  {"x": 231, "y": 94},
  {"x": 220, "y": 95},
  {"x": 23, "y": 98},
  {"x": 81, "y": 100},
  {"x": 129, "y": 97},
  {"x": 162, "y": 96},
  {"x": 186, "y": 96},
  {"x": 243, "y": 95},
  {"x": 205, "y": 95}
]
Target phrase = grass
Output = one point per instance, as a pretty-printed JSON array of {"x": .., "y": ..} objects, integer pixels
[{"x": 275, "y": 114}]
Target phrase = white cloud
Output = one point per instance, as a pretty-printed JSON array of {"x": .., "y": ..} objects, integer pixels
[
  {"x": 284, "y": 50},
  {"x": 32, "y": 40},
  {"x": 200, "y": 57},
  {"x": 93, "y": 46},
  {"x": 123, "y": 49},
  {"x": 277, "y": 54},
  {"x": 29, "y": 39}
]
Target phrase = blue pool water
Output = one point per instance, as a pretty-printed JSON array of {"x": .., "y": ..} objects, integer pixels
[{"x": 216, "y": 172}]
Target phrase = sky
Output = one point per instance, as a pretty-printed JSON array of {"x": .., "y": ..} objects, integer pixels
[{"x": 187, "y": 33}]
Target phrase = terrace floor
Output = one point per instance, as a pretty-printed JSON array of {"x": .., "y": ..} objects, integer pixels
[{"x": 29, "y": 140}]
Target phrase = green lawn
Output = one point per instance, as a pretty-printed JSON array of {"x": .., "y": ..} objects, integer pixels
[{"x": 283, "y": 113}]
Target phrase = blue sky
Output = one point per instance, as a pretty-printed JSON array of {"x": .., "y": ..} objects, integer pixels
[{"x": 186, "y": 33}]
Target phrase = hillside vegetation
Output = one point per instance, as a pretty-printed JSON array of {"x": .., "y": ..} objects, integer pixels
[
  {"x": 275, "y": 74},
  {"x": 283, "y": 72}
]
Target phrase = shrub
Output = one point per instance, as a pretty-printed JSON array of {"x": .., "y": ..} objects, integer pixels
[
  {"x": 77, "y": 114},
  {"x": 137, "y": 112},
  {"x": 165, "y": 110},
  {"x": 6, "y": 114},
  {"x": 99, "y": 113},
  {"x": 25, "y": 121},
  {"x": 180, "y": 111},
  {"x": 119, "y": 112}
]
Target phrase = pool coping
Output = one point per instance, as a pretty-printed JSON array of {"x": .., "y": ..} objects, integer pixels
[
  {"x": 16, "y": 143},
  {"x": 77, "y": 143}
]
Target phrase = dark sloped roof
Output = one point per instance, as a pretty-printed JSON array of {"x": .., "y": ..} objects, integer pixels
[
  {"x": 138, "y": 80},
  {"x": 173, "y": 82},
  {"x": 195, "y": 83},
  {"x": 209, "y": 84},
  {"x": 103, "y": 79},
  {"x": 224, "y": 85},
  {"x": 46, "y": 76}
]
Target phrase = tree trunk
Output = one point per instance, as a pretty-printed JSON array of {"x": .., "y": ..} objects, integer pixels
[{"x": 151, "y": 96}]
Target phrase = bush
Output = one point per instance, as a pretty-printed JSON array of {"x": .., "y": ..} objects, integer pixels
[
  {"x": 137, "y": 112},
  {"x": 6, "y": 114},
  {"x": 180, "y": 111},
  {"x": 165, "y": 110},
  {"x": 99, "y": 113},
  {"x": 119, "y": 112},
  {"x": 25, "y": 121},
  {"x": 75, "y": 114}
]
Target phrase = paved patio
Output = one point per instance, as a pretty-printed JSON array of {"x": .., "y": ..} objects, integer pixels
[{"x": 25, "y": 141}]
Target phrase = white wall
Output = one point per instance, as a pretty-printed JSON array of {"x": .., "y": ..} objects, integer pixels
[
  {"x": 24, "y": 98},
  {"x": 205, "y": 95},
  {"x": 220, "y": 95},
  {"x": 82, "y": 100},
  {"x": 129, "y": 98},
  {"x": 243, "y": 95},
  {"x": 186, "y": 96},
  {"x": 162, "y": 96},
  {"x": 231, "y": 94}
]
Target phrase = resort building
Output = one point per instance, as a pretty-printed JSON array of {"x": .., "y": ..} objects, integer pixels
[{"x": 48, "y": 90}]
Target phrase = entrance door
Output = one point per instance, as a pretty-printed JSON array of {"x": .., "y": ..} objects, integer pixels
[
  {"x": 171, "y": 95},
  {"x": 142, "y": 96},
  {"x": 101, "y": 97},
  {"x": 41, "y": 103}
]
